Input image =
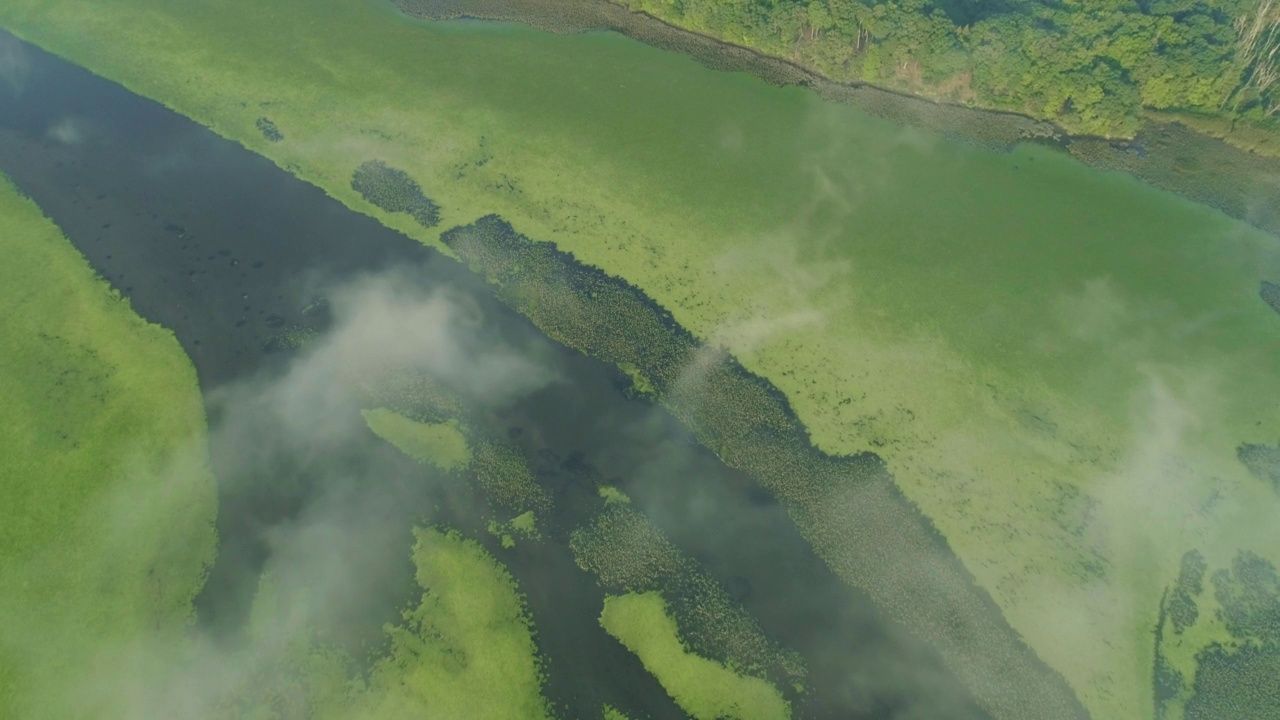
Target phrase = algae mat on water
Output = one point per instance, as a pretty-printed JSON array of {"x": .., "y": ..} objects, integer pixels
[
  {"x": 1056, "y": 364},
  {"x": 703, "y": 688},
  {"x": 464, "y": 649},
  {"x": 439, "y": 444},
  {"x": 106, "y": 499}
]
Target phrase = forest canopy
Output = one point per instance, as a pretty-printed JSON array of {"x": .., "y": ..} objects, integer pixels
[{"x": 1090, "y": 65}]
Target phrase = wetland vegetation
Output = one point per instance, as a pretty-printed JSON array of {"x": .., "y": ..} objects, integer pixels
[
  {"x": 107, "y": 502},
  {"x": 703, "y": 688},
  {"x": 1033, "y": 350}
]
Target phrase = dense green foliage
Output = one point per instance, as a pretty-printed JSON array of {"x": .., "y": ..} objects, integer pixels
[
  {"x": 394, "y": 191},
  {"x": 1236, "y": 649},
  {"x": 1092, "y": 66},
  {"x": 106, "y": 499},
  {"x": 1239, "y": 685}
]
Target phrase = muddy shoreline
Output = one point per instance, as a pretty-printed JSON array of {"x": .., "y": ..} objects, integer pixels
[{"x": 1170, "y": 156}]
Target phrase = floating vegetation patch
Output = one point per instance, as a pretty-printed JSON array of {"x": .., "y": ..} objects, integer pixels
[
  {"x": 1249, "y": 597},
  {"x": 107, "y": 503},
  {"x": 500, "y": 469},
  {"x": 848, "y": 508},
  {"x": 626, "y": 552},
  {"x": 1270, "y": 294},
  {"x": 1239, "y": 684},
  {"x": 464, "y": 649},
  {"x": 1263, "y": 461},
  {"x": 416, "y": 394},
  {"x": 287, "y": 336},
  {"x": 704, "y": 688},
  {"x": 609, "y": 712},
  {"x": 504, "y": 475},
  {"x": 269, "y": 130},
  {"x": 1230, "y": 657},
  {"x": 613, "y": 496},
  {"x": 290, "y": 337},
  {"x": 442, "y": 444},
  {"x": 1182, "y": 608},
  {"x": 394, "y": 191},
  {"x": 524, "y": 525}
]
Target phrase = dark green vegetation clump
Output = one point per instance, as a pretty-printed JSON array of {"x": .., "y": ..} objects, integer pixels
[
  {"x": 848, "y": 508},
  {"x": 394, "y": 191},
  {"x": 499, "y": 469},
  {"x": 627, "y": 553},
  {"x": 269, "y": 130},
  {"x": 503, "y": 474},
  {"x": 1263, "y": 461},
  {"x": 1243, "y": 684},
  {"x": 1182, "y": 602},
  {"x": 314, "y": 320},
  {"x": 1249, "y": 594},
  {"x": 1270, "y": 294},
  {"x": 1237, "y": 677}
]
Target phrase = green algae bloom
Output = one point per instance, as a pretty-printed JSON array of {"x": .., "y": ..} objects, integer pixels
[
  {"x": 703, "y": 688},
  {"x": 442, "y": 444}
]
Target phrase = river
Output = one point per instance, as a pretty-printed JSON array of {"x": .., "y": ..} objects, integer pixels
[{"x": 216, "y": 243}]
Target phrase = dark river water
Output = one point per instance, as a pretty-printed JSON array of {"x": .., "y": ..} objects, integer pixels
[{"x": 225, "y": 248}]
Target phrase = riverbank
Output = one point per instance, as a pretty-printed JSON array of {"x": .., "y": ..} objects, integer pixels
[{"x": 1204, "y": 159}]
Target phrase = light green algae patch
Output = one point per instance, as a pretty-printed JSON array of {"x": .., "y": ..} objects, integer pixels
[
  {"x": 627, "y": 553},
  {"x": 465, "y": 650},
  {"x": 524, "y": 525},
  {"x": 613, "y": 496},
  {"x": 106, "y": 499},
  {"x": 1056, "y": 364},
  {"x": 703, "y": 688},
  {"x": 608, "y": 712},
  {"x": 442, "y": 444},
  {"x": 640, "y": 385}
]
